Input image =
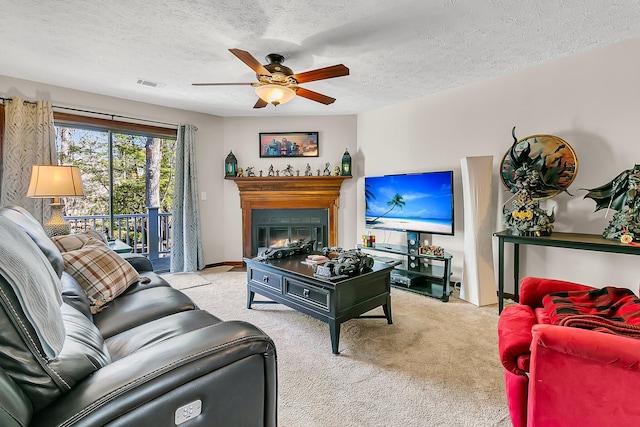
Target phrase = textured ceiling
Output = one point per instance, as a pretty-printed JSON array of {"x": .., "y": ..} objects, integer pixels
[{"x": 395, "y": 50}]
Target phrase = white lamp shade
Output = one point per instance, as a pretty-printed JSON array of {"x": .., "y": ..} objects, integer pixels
[
  {"x": 55, "y": 181},
  {"x": 275, "y": 94}
]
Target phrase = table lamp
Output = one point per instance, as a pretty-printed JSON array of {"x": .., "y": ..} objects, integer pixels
[{"x": 55, "y": 181}]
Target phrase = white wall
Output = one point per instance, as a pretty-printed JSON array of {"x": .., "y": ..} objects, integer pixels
[
  {"x": 216, "y": 136},
  {"x": 209, "y": 145},
  {"x": 592, "y": 101},
  {"x": 336, "y": 133}
]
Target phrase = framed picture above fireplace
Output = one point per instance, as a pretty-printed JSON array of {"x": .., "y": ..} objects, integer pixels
[{"x": 289, "y": 144}]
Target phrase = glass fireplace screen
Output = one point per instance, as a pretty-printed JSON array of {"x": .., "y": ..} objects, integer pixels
[{"x": 274, "y": 227}]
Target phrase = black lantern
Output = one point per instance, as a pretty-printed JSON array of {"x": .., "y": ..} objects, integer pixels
[
  {"x": 346, "y": 164},
  {"x": 230, "y": 165}
]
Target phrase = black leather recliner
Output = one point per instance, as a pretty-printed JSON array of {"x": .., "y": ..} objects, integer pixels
[{"x": 150, "y": 358}]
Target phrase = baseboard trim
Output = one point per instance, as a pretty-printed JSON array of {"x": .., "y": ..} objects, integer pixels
[
  {"x": 508, "y": 296},
  {"x": 230, "y": 263}
]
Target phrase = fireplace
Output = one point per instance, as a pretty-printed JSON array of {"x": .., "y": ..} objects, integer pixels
[
  {"x": 320, "y": 193},
  {"x": 275, "y": 227}
]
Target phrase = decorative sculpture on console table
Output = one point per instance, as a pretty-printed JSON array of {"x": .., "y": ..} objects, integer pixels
[
  {"x": 535, "y": 168},
  {"x": 620, "y": 194}
]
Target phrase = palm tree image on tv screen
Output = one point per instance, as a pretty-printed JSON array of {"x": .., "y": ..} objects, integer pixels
[{"x": 420, "y": 202}]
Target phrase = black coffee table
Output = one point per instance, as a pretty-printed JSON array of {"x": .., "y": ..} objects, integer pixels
[{"x": 290, "y": 282}]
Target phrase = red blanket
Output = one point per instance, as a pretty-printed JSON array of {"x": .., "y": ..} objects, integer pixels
[{"x": 611, "y": 310}]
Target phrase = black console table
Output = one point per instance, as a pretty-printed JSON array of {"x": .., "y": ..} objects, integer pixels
[{"x": 588, "y": 242}]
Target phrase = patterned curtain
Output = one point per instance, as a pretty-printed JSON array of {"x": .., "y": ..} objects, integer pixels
[
  {"x": 29, "y": 139},
  {"x": 186, "y": 240}
]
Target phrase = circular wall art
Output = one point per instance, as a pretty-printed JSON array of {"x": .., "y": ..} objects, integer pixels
[{"x": 543, "y": 165}]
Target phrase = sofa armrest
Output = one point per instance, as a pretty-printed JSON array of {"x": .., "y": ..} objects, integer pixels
[
  {"x": 140, "y": 262},
  {"x": 533, "y": 289},
  {"x": 583, "y": 378},
  {"x": 230, "y": 367},
  {"x": 514, "y": 337},
  {"x": 15, "y": 407}
]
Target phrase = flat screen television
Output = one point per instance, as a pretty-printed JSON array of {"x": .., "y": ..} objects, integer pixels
[{"x": 418, "y": 202}]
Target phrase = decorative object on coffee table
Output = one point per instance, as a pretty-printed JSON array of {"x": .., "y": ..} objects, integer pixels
[
  {"x": 621, "y": 195},
  {"x": 288, "y": 249},
  {"x": 346, "y": 264},
  {"x": 535, "y": 168}
]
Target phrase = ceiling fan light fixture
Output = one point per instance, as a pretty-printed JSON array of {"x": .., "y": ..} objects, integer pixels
[{"x": 275, "y": 94}]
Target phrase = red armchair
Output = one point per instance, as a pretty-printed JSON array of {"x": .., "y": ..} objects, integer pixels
[{"x": 565, "y": 376}]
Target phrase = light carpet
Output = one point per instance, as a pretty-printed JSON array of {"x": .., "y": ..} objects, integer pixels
[
  {"x": 436, "y": 365},
  {"x": 184, "y": 281}
]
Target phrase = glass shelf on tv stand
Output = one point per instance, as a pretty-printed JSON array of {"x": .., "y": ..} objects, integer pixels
[{"x": 427, "y": 274}]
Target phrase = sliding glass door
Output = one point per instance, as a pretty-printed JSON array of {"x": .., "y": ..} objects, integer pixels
[{"x": 123, "y": 174}]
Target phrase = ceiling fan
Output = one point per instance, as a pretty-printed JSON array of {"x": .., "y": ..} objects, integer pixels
[{"x": 277, "y": 84}]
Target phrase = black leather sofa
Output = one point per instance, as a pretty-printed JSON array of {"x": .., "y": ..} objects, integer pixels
[{"x": 149, "y": 358}]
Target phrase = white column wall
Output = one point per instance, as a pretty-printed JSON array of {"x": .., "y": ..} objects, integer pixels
[{"x": 590, "y": 100}]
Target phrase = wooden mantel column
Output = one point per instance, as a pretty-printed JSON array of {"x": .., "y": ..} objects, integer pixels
[{"x": 289, "y": 192}]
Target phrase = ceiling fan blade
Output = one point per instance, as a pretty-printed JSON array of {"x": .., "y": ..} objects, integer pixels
[
  {"x": 322, "y": 73},
  {"x": 261, "y": 103},
  {"x": 221, "y": 84},
  {"x": 314, "y": 96},
  {"x": 252, "y": 62}
]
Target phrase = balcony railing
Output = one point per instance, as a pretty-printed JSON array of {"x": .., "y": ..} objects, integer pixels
[{"x": 148, "y": 234}]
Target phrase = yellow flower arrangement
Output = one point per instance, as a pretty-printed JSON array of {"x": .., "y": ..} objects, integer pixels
[
  {"x": 527, "y": 215},
  {"x": 626, "y": 238}
]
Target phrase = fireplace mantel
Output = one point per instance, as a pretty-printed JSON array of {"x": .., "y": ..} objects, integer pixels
[{"x": 289, "y": 192}]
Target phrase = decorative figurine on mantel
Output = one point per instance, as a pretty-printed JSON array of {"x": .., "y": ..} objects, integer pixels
[
  {"x": 307, "y": 170},
  {"x": 250, "y": 171},
  {"x": 270, "y": 173},
  {"x": 230, "y": 165},
  {"x": 346, "y": 164},
  {"x": 288, "y": 171},
  {"x": 535, "y": 168},
  {"x": 622, "y": 195},
  {"x": 327, "y": 169}
]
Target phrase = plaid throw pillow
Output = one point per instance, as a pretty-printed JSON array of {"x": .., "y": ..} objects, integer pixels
[{"x": 101, "y": 272}]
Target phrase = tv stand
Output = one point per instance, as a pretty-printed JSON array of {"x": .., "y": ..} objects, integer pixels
[{"x": 425, "y": 274}]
